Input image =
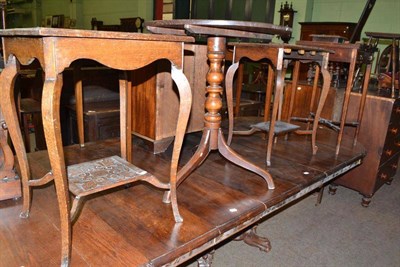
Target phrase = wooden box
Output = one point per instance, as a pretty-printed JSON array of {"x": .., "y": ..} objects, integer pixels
[
  {"x": 101, "y": 121},
  {"x": 155, "y": 100}
]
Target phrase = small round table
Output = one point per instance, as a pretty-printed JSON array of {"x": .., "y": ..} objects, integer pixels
[{"x": 216, "y": 32}]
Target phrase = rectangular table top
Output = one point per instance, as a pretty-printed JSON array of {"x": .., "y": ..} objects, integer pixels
[{"x": 74, "y": 33}]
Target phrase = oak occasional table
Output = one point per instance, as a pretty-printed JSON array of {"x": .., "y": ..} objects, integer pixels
[
  {"x": 346, "y": 53},
  {"x": 56, "y": 49},
  {"x": 216, "y": 32}
]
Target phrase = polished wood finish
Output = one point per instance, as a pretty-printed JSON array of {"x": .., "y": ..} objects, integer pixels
[
  {"x": 379, "y": 132},
  {"x": 227, "y": 28},
  {"x": 344, "y": 29},
  {"x": 56, "y": 49},
  {"x": 131, "y": 228},
  {"x": 278, "y": 56}
]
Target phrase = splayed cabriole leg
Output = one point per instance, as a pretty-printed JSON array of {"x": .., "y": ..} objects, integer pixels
[
  {"x": 232, "y": 156},
  {"x": 185, "y": 105},
  {"x": 52, "y": 129},
  {"x": 8, "y": 77},
  {"x": 324, "y": 94},
  {"x": 212, "y": 138},
  {"x": 196, "y": 160},
  {"x": 251, "y": 238}
]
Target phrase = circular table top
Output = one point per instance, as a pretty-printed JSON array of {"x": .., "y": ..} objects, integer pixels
[{"x": 226, "y": 28}]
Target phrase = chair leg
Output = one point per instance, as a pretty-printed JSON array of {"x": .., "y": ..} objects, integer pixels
[{"x": 25, "y": 128}]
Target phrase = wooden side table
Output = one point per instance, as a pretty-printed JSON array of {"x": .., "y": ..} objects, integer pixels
[
  {"x": 56, "y": 49},
  {"x": 216, "y": 32},
  {"x": 346, "y": 53},
  {"x": 278, "y": 55}
]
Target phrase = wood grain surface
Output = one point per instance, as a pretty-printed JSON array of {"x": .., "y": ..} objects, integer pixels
[{"x": 132, "y": 227}]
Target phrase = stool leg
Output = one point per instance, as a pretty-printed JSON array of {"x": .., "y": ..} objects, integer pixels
[
  {"x": 268, "y": 92},
  {"x": 79, "y": 105},
  {"x": 295, "y": 81},
  {"x": 25, "y": 128},
  {"x": 346, "y": 100},
  {"x": 278, "y": 92}
]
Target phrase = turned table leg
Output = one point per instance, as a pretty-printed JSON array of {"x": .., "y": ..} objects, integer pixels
[{"x": 213, "y": 138}]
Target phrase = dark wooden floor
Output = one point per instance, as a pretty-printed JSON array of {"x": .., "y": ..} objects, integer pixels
[{"x": 131, "y": 226}]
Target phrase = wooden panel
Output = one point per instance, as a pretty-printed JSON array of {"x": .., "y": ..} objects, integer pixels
[
  {"x": 196, "y": 69},
  {"x": 302, "y": 101},
  {"x": 144, "y": 101},
  {"x": 101, "y": 121},
  {"x": 153, "y": 118}
]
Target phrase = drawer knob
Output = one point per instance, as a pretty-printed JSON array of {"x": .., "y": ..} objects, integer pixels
[
  {"x": 383, "y": 176},
  {"x": 397, "y": 110},
  {"x": 394, "y": 130},
  {"x": 394, "y": 166},
  {"x": 397, "y": 143},
  {"x": 389, "y": 152}
]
